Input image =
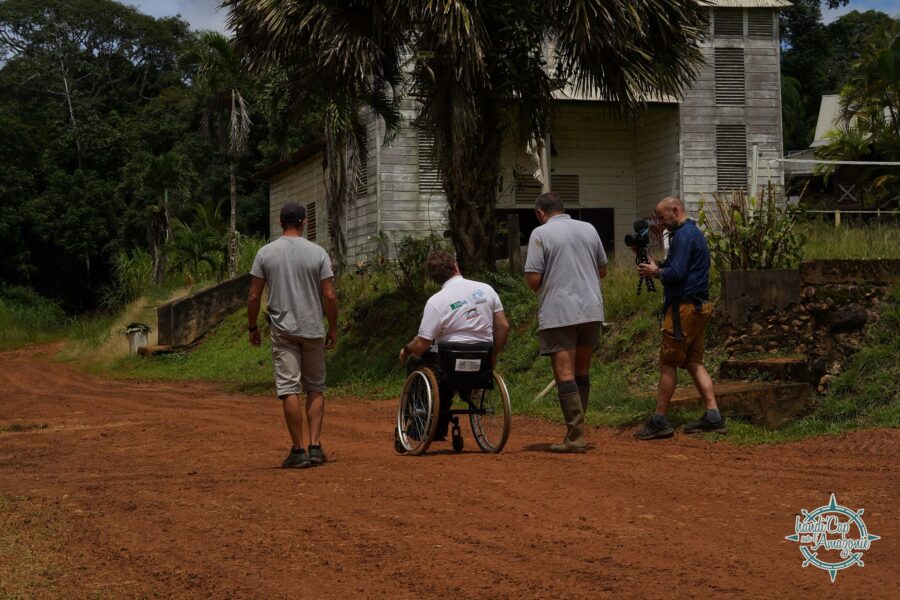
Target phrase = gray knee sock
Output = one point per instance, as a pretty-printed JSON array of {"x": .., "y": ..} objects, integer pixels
[{"x": 584, "y": 389}]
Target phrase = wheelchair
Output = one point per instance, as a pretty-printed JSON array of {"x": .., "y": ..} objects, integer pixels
[{"x": 458, "y": 368}]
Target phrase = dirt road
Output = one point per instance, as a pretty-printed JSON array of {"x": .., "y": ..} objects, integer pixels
[{"x": 171, "y": 490}]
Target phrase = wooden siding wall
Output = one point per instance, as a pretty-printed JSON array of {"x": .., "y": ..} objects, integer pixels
[
  {"x": 656, "y": 157},
  {"x": 399, "y": 209},
  {"x": 761, "y": 113},
  {"x": 591, "y": 143},
  {"x": 361, "y": 222},
  {"x": 303, "y": 183}
]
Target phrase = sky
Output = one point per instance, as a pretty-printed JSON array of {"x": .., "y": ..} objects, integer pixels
[
  {"x": 204, "y": 14},
  {"x": 201, "y": 14},
  {"x": 891, "y": 7}
]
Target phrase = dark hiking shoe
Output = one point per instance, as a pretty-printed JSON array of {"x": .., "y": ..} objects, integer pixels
[
  {"x": 655, "y": 429},
  {"x": 705, "y": 425},
  {"x": 317, "y": 456},
  {"x": 295, "y": 460}
]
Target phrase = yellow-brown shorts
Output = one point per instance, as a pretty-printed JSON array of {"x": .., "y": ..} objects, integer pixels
[{"x": 678, "y": 353}]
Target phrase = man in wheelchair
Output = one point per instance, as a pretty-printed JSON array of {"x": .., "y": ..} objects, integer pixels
[{"x": 465, "y": 316}]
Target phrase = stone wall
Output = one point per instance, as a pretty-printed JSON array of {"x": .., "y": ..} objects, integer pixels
[
  {"x": 184, "y": 321},
  {"x": 826, "y": 323}
]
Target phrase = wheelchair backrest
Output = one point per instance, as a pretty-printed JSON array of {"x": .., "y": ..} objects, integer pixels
[{"x": 467, "y": 364}]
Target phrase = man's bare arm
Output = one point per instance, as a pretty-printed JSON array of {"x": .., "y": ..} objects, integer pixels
[
  {"x": 329, "y": 301},
  {"x": 534, "y": 280},
  {"x": 254, "y": 298},
  {"x": 501, "y": 331}
]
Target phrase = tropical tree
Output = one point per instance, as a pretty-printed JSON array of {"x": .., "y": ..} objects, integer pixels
[
  {"x": 478, "y": 68},
  {"x": 220, "y": 75},
  {"x": 870, "y": 107},
  {"x": 163, "y": 174}
]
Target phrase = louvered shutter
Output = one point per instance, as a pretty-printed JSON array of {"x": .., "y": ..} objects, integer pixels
[
  {"x": 567, "y": 188},
  {"x": 729, "y": 23},
  {"x": 760, "y": 23},
  {"x": 311, "y": 221},
  {"x": 362, "y": 189},
  {"x": 527, "y": 189},
  {"x": 429, "y": 176},
  {"x": 729, "y": 68},
  {"x": 731, "y": 157}
]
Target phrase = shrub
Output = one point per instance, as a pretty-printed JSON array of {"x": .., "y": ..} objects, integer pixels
[{"x": 747, "y": 233}]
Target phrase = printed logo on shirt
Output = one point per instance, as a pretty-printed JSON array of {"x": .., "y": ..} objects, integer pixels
[
  {"x": 478, "y": 297},
  {"x": 458, "y": 304},
  {"x": 470, "y": 314}
]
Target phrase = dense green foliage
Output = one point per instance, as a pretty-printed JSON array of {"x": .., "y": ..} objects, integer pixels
[
  {"x": 104, "y": 150},
  {"x": 817, "y": 59}
]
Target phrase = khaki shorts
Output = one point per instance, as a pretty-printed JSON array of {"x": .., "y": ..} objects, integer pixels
[
  {"x": 299, "y": 364},
  {"x": 678, "y": 353},
  {"x": 558, "y": 339}
]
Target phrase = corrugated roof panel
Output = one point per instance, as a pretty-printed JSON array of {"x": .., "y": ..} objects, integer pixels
[{"x": 747, "y": 3}]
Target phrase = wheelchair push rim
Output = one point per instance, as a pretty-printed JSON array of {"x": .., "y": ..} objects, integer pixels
[
  {"x": 417, "y": 414},
  {"x": 491, "y": 417}
]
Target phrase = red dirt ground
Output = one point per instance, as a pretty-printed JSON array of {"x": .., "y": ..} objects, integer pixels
[{"x": 162, "y": 490}]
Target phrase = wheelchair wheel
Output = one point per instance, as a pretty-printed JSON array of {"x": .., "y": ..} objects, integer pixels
[
  {"x": 417, "y": 416},
  {"x": 492, "y": 416}
]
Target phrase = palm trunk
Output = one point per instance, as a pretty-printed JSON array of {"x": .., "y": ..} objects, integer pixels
[
  {"x": 232, "y": 227},
  {"x": 471, "y": 196}
]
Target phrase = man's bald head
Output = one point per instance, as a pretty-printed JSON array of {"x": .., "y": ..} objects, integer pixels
[
  {"x": 670, "y": 201},
  {"x": 670, "y": 212}
]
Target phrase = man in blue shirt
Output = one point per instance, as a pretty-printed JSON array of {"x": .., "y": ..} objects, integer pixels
[{"x": 686, "y": 309}]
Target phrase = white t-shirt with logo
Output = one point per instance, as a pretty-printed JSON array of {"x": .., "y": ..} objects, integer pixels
[{"x": 463, "y": 311}]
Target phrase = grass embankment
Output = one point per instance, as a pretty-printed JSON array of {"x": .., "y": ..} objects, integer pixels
[{"x": 376, "y": 319}]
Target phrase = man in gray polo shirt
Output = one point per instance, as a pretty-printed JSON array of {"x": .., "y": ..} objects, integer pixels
[
  {"x": 564, "y": 266},
  {"x": 298, "y": 273}
]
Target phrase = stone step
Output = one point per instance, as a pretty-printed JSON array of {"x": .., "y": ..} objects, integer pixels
[
  {"x": 771, "y": 405},
  {"x": 767, "y": 369}
]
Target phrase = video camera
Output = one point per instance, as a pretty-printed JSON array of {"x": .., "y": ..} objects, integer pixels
[
  {"x": 639, "y": 240},
  {"x": 641, "y": 236}
]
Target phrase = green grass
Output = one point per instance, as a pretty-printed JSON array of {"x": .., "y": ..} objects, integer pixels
[
  {"x": 376, "y": 319},
  {"x": 825, "y": 241}
]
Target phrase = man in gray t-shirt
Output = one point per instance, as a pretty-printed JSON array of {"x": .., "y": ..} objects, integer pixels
[
  {"x": 564, "y": 266},
  {"x": 301, "y": 284}
]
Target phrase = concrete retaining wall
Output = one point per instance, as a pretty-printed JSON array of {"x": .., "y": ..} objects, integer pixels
[{"x": 184, "y": 321}]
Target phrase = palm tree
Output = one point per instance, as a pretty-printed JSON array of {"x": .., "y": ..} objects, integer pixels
[
  {"x": 479, "y": 69},
  {"x": 163, "y": 174},
  {"x": 220, "y": 75}
]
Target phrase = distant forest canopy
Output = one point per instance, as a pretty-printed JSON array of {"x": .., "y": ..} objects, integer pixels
[
  {"x": 116, "y": 137},
  {"x": 97, "y": 108},
  {"x": 817, "y": 59}
]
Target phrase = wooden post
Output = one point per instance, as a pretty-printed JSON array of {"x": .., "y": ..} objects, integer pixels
[
  {"x": 513, "y": 242},
  {"x": 837, "y": 217}
]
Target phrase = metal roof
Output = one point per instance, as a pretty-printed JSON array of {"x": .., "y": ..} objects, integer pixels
[
  {"x": 747, "y": 3},
  {"x": 295, "y": 158}
]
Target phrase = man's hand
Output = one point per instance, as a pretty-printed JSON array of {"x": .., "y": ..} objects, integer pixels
[
  {"x": 255, "y": 338},
  {"x": 650, "y": 269},
  {"x": 403, "y": 355},
  {"x": 330, "y": 339}
]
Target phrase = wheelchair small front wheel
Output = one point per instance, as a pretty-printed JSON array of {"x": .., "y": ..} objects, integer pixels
[
  {"x": 417, "y": 415},
  {"x": 491, "y": 417}
]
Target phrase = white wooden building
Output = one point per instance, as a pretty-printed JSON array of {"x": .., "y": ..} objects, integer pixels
[{"x": 608, "y": 171}]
